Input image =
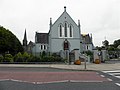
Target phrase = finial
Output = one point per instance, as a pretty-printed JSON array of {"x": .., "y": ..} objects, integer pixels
[
  {"x": 50, "y": 21},
  {"x": 64, "y": 8},
  {"x": 78, "y": 22}
]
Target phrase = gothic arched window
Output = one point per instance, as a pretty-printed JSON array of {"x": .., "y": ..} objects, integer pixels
[
  {"x": 60, "y": 28},
  {"x": 65, "y": 29},
  {"x": 70, "y": 30}
]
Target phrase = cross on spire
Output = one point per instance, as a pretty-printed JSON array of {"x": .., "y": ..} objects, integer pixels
[{"x": 65, "y": 8}]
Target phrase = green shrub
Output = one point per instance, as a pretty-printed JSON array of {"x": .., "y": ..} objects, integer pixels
[
  {"x": 52, "y": 59},
  {"x": 8, "y": 58},
  {"x": 59, "y": 59},
  {"x": 1, "y": 58},
  {"x": 43, "y": 54},
  {"x": 25, "y": 56},
  {"x": 33, "y": 59},
  {"x": 18, "y": 58},
  {"x": 47, "y": 59}
]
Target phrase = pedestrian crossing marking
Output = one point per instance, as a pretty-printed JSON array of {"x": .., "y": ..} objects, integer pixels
[
  {"x": 117, "y": 76},
  {"x": 115, "y": 73},
  {"x": 118, "y": 84},
  {"x": 109, "y": 79},
  {"x": 112, "y": 71}
]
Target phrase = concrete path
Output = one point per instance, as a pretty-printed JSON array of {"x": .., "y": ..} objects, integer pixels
[{"x": 90, "y": 66}]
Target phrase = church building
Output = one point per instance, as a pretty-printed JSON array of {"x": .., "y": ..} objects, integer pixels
[{"x": 64, "y": 36}]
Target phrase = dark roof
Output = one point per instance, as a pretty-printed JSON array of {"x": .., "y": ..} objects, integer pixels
[
  {"x": 31, "y": 43},
  {"x": 87, "y": 38},
  {"x": 42, "y": 38}
]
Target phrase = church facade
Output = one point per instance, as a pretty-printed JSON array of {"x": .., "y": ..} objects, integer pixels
[{"x": 64, "y": 35}]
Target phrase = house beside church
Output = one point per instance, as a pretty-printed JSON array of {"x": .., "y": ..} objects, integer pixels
[{"x": 64, "y": 36}]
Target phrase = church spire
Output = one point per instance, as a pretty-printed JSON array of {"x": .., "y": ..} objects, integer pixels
[
  {"x": 25, "y": 39},
  {"x": 91, "y": 37}
]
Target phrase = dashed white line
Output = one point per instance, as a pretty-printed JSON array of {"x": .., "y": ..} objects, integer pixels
[
  {"x": 109, "y": 79},
  {"x": 83, "y": 81},
  {"x": 102, "y": 75},
  {"x": 52, "y": 82},
  {"x": 22, "y": 81}
]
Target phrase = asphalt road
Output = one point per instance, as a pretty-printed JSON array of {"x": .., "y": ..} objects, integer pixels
[
  {"x": 12, "y": 85},
  {"x": 13, "y": 79}
]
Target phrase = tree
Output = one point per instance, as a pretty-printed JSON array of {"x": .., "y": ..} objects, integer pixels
[
  {"x": 98, "y": 48},
  {"x": 116, "y": 43},
  {"x": 105, "y": 43},
  {"x": 9, "y": 42}
]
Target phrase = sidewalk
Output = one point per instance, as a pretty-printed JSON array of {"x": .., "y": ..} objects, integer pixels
[{"x": 90, "y": 66}]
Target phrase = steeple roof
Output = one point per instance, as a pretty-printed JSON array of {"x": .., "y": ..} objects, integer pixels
[
  {"x": 25, "y": 36},
  {"x": 25, "y": 39}
]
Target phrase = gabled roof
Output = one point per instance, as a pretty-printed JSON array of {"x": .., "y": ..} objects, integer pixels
[
  {"x": 65, "y": 12},
  {"x": 86, "y": 38},
  {"x": 42, "y": 38}
]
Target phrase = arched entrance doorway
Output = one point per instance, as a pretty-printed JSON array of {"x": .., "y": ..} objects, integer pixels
[
  {"x": 66, "y": 48},
  {"x": 66, "y": 45}
]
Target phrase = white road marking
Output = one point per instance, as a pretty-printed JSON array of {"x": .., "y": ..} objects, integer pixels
[
  {"x": 111, "y": 71},
  {"x": 52, "y": 82},
  {"x": 102, "y": 75},
  {"x": 83, "y": 81},
  {"x": 114, "y": 74},
  {"x": 118, "y": 84},
  {"x": 109, "y": 79},
  {"x": 117, "y": 76},
  {"x": 22, "y": 81},
  {"x": 47, "y": 82}
]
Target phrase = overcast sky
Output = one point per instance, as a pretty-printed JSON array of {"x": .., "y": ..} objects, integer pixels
[{"x": 99, "y": 17}]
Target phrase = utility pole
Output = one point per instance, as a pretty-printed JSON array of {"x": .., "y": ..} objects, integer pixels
[{"x": 84, "y": 51}]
